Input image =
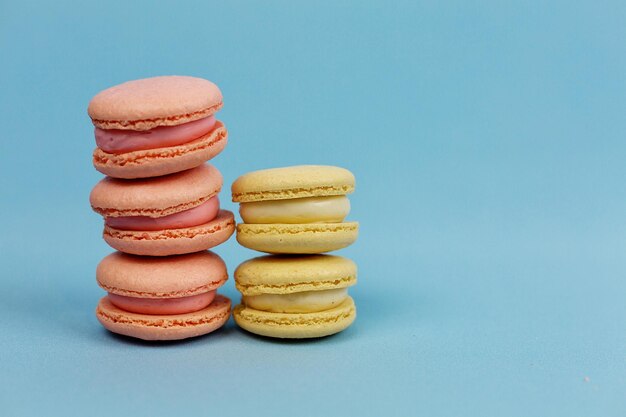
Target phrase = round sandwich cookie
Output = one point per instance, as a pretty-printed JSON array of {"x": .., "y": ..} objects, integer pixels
[
  {"x": 168, "y": 215},
  {"x": 295, "y": 296},
  {"x": 156, "y": 126},
  {"x": 162, "y": 298},
  {"x": 298, "y": 209}
]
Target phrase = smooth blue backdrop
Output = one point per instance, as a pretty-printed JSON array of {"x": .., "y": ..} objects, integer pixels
[{"x": 488, "y": 141}]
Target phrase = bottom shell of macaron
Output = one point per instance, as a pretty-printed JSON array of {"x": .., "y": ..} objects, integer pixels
[
  {"x": 296, "y": 325},
  {"x": 164, "y": 327},
  {"x": 297, "y": 238},
  {"x": 172, "y": 241},
  {"x": 162, "y": 161}
]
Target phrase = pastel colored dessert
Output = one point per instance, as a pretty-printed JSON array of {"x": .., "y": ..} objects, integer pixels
[
  {"x": 298, "y": 209},
  {"x": 295, "y": 296},
  {"x": 162, "y": 298},
  {"x": 156, "y": 126},
  {"x": 168, "y": 215}
]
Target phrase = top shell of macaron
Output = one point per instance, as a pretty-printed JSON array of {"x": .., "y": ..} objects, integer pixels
[
  {"x": 292, "y": 182},
  {"x": 161, "y": 277},
  {"x": 278, "y": 274},
  {"x": 151, "y": 102},
  {"x": 156, "y": 197}
]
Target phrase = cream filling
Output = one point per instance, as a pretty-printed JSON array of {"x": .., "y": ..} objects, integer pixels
[
  {"x": 299, "y": 302},
  {"x": 332, "y": 209}
]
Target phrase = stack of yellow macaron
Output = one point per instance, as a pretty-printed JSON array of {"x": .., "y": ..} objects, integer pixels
[
  {"x": 295, "y": 214},
  {"x": 160, "y": 207}
]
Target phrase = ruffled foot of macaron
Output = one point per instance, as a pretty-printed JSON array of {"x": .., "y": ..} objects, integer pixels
[
  {"x": 295, "y": 210},
  {"x": 168, "y": 215},
  {"x": 156, "y": 126},
  {"x": 295, "y": 297},
  {"x": 167, "y": 298}
]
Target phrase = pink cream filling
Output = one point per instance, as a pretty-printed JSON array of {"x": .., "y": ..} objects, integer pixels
[
  {"x": 179, "y": 305},
  {"x": 202, "y": 214},
  {"x": 122, "y": 141}
]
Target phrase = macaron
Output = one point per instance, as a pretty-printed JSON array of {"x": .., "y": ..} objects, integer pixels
[
  {"x": 166, "y": 298},
  {"x": 295, "y": 296},
  {"x": 156, "y": 126},
  {"x": 296, "y": 210},
  {"x": 167, "y": 215}
]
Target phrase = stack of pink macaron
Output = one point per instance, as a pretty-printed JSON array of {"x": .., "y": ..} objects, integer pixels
[{"x": 160, "y": 207}]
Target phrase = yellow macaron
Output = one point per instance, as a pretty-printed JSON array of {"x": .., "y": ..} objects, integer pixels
[
  {"x": 295, "y": 210},
  {"x": 295, "y": 296}
]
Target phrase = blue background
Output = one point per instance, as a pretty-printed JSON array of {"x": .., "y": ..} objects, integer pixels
[{"x": 488, "y": 142}]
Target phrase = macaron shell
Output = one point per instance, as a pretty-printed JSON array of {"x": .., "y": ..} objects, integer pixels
[
  {"x": 161, "y": 277},
  {"x": 173, "y": 241},
  {"x": 156, "y": 197},
  {"x": 296, "y": 325},
  {"x": 162, "y": 161},
  {"x": 164, "y": 327},
  {"x": 276, "y": 274},
  {"x": 297, "y": 238},
  {"x": 157, "y": 101},
  {"x": 292, "y": 182}
]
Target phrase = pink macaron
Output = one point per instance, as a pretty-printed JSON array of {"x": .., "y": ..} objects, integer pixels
[
  {"x": 156, "y": 126},
  {"x": 164, "y": 298},
  {"x": 168, "y": 215}
]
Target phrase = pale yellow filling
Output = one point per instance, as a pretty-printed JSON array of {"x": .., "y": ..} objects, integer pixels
[
  {"x": 332, "y": 209},
  {"x": 300, "y": 302}
]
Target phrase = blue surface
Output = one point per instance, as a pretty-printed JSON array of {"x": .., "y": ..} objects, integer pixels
[{"x": 488, "y": 141}]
